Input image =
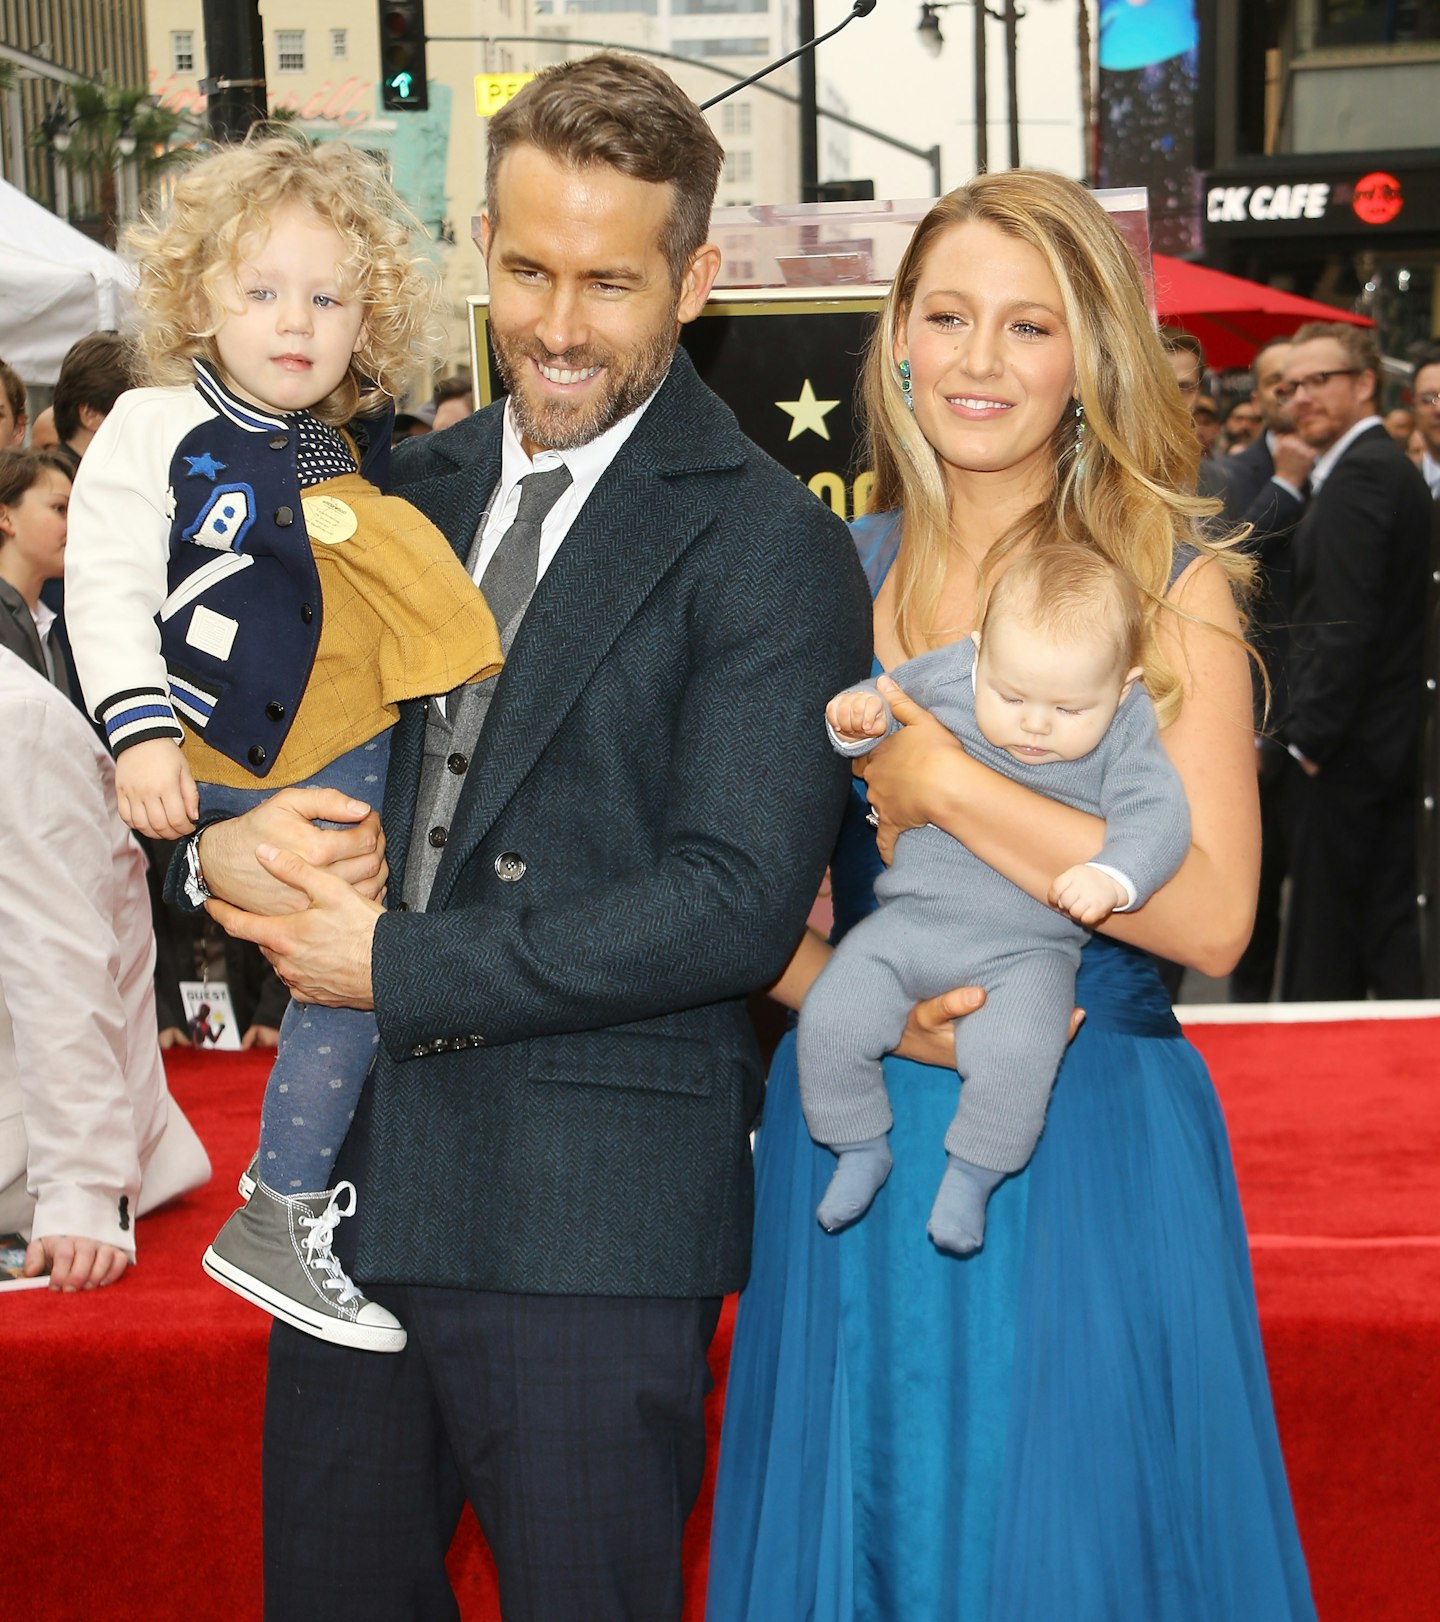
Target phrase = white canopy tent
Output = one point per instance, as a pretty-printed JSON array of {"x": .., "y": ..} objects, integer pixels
[{"x": 56, "y": 285}]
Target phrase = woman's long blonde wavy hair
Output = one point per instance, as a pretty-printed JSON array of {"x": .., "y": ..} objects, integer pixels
[
  {"x": 225, "y": 201},
  {"x": 1131, "y": 496}
]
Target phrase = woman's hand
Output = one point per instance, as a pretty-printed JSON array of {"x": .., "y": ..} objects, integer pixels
[
  {"x": 929, "y": 1035},
  {"x": 907, "y": 777}
]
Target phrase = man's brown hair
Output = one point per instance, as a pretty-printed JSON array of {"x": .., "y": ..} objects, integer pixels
[
  {"x": 15, "y": 390},
  {"x": 1361, "y": 350},
  {"x": 96, "y": 371},
  {"x": 623, "y": 112}
]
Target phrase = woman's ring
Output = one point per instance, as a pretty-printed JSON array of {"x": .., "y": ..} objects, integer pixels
[{"x": 873, "y": 818}]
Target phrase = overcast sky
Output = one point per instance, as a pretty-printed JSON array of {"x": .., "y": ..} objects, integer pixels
[{"x": 880, "y": 68}]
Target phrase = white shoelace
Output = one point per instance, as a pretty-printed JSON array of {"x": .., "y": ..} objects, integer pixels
[{"x": 318, "y": 1253}]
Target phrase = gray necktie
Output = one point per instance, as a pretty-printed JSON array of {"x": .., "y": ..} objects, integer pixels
[{"x": 509, "y": 578}]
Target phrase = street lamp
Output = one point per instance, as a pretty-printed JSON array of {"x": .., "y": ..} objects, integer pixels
[
  {"x": 933, "y": 42},
  {"x": 55, "y": 128},
  {"x": 931, "y": 39}
]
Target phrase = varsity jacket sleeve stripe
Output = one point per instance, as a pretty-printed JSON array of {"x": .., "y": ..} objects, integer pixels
[{"x": 116, "y": 563}]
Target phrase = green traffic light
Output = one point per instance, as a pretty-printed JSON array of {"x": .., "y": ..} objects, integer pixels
[{"x": 401, "y": 84}]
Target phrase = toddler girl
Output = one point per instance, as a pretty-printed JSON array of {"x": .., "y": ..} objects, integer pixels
[{"x": 247, "y": 609}]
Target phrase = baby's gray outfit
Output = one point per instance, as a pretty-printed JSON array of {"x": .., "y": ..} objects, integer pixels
[{"x": 946, "y": 919}]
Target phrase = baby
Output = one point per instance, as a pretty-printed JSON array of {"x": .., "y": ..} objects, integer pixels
[
  {"x": 1047, "y": 692},
  {"x": 247, "y": 610}
]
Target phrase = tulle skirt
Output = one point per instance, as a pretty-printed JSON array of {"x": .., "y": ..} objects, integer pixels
[{"x": 1073, "y": 1425}]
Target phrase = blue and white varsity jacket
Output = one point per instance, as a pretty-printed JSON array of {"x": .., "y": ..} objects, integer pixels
[{"x": 185, "y": 526}]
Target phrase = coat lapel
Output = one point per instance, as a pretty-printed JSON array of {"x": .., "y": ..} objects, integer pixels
[
  {"x": 641, "y": 517},
  {"x": 450, "y": 478}
]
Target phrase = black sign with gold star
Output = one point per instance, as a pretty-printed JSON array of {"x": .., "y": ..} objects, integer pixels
[{"x": 787, "y": 368}]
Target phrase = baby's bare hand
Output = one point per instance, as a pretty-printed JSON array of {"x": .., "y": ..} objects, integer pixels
[
  {"x": 856, "y": 716},
  {"x": 1087, "y": 894},
  {"x": 155, "y": 790}
]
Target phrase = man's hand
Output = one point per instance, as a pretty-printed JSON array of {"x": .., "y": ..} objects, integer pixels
[
  {"x": 354, "y": 854},
  {"x": 173, "y": 1037},
  {"x": 261, "y": 1036},
  {"x": 1087, "y": 894},
  {"x": 155, "y": 790},
  {"x": 929, "y": 1035},
  {"x": 856, "y": 716},
  {"x": 1294, "y": 459},
  {"x": 323, "y": 953},
  {"x": 74, "y": 1263}
]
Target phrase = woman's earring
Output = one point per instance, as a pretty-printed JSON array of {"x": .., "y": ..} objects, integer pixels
[
  {"x": 905, "y": 388},
  {"x": 1079, "y": 434}
]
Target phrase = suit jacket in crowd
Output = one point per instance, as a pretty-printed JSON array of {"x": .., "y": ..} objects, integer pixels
[{"x": 1361, "y": 575}]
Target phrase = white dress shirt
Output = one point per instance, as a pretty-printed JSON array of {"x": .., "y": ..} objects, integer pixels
[
  {"x": 587, "y": 464},
  {"x": 1325, "y": 466}
]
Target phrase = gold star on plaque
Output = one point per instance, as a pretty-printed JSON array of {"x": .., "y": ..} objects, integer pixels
[{"x": 807, "y": 413}]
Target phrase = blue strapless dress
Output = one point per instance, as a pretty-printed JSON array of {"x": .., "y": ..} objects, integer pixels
[{"x": 1073, "y": 1425}]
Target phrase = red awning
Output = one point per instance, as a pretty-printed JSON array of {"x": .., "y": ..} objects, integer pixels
[{"x": 1233, "y": 318}]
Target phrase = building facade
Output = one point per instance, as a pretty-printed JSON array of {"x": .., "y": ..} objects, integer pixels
[
  {"x": 323, "y": 70},
  {"x": 48, "y": 44},
  {"x": 1321, "y": 162}
]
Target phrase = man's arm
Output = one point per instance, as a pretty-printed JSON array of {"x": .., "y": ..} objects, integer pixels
[
  {"x": 1343, "y": 619},
  {"x": 59, "y": 957},
  {"x": 755, "y": 794}
]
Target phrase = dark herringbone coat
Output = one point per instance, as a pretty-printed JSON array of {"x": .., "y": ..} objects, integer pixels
[{"x": 656, "y": 758}]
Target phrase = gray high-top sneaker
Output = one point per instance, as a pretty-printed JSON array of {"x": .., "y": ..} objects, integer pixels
[
  {"x": 250, "y": 1177},
  {"x": 276, "y": 1251}
]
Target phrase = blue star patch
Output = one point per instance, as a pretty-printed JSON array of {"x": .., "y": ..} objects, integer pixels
[{"x": 204, "y": 466}]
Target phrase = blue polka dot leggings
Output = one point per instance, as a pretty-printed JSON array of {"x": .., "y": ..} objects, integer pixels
[{"x": 325, "y": 1053}]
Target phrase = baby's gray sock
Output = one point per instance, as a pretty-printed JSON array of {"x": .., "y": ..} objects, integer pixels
[
  {"x": 863, "y": 1168},
  {"x": 957, "y": 1219}
]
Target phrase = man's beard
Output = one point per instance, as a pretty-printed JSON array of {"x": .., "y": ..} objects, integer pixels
[{"x": 562, "y": 425}]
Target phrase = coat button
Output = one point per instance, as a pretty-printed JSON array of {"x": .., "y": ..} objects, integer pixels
[
  {"x": 457, "y": 763},
  {"x": 306, "y": 613},
  {"x": 284, "y": 516},
  {"x": 510, "y": 866},
  {"x": 275, "y": 710},
  {"x": 401, "y": 906},
  {"x": 257, "y": 755},
  {"x": 438, "y": 836},
  {"x": 278, "y": 442}
]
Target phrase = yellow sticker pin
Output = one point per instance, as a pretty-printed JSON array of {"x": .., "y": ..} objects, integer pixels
[{"x": 329, "y": 520}]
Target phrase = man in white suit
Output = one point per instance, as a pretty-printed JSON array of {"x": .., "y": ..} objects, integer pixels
[{"x": 90, "y": 1138}]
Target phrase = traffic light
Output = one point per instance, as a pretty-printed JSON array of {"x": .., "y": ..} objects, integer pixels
[{"x": 403, "y": 86}]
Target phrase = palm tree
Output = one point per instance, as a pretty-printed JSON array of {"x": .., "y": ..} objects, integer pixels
[{"x": 110, "y": 128}]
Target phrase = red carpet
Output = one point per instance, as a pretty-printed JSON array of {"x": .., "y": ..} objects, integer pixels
[{"x": 131, "y": 1478}]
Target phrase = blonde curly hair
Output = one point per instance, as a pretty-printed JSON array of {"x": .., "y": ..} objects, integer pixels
[
  {"x": 225, "y": 201},
  {"x": 1133, "y": 501}
]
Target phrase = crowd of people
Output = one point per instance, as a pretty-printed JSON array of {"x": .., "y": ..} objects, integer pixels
[{"x": 1093, "y": 637}]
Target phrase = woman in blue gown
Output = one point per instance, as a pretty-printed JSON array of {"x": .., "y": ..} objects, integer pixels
[{"x": 1074, "y": 1424}]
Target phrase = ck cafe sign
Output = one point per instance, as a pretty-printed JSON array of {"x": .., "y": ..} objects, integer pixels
[{"x": 1357, "y": 204}]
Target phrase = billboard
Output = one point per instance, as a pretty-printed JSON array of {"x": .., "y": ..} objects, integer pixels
[{"x": 1149, "y": 81}]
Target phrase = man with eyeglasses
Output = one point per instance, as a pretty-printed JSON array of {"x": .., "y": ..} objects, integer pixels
[
  {"x": 1269, "y": 487},
  {"x": 1356, "y": 682},
  {"x": 1427, "y": 417}
]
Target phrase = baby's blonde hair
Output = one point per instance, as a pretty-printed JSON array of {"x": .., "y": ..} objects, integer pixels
[
  {"x": 1067, "y": 592},
  {"x": 226, "y": 200}
]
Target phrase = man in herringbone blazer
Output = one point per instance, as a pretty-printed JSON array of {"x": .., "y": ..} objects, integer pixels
[{"x": 595, "y": 860}]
